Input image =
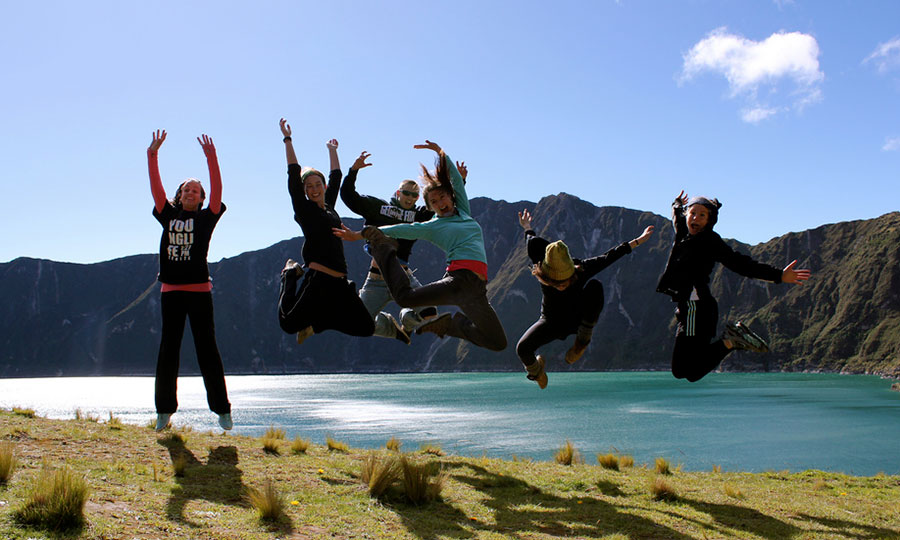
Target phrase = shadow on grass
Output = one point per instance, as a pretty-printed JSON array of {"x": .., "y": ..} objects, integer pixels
[
  {"x": 218, "y": 481},
  {"x": 744, "y": 519},
  {"x": 851, "y": 529},
  {"x": 520, "y": 509}
]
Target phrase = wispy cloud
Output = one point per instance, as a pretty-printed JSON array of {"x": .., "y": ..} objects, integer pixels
[
  {"x": 892, "y": 144},
  {"x": 886, "y": 55},
  {"x": 754, "y": 66}
]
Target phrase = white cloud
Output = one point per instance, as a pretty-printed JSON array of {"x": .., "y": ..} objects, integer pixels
[
  {"x": 891, "y": 145},
  {"x": 757, "y": 114},
  {"x": 886, "y": 55},
  {"x": 751, "y": 66}
]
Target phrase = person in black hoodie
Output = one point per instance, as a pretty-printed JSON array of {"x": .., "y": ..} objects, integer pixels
[
  {"x": 686, "y": 279},
  {"x": 571, "y": 302},
  {"x": 325, "y": 299}
]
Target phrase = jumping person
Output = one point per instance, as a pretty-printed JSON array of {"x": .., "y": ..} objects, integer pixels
[
  {"x": 325, "y": 300},
  {"x": 571, "y": 302},
  {"x": 376, "y": 212},
  {"x": 186, "y": 286},
  {"x": 686, "y": 279},
  {"x": 455, "y": 231}
]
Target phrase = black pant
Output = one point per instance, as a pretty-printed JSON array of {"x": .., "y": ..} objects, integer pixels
[
  {"x": 544, "y": 330},
  {"x": 694, "y": 356},
  {"x": 323, "y": 302},
  {"x": 176, "y": 306},
  {"x": 478, "y": 322}
]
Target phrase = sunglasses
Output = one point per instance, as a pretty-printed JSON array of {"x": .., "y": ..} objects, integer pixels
[{"x": 409, "y": 193}]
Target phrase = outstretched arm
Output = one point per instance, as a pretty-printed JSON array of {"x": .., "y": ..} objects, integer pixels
[
  {"x": 430, "y": 145},
  {"x": 288, "y": 143},
  {"x": 525, "y": 220},
  {"x": 642, "y": 238},
  {"x": 795, "y": 277},
  {"x": 347, "y": 234},
  {"x": 156, "y": 187},
  {"x": 215, "y": 177}
]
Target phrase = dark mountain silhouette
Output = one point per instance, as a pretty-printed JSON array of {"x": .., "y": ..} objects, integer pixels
[{"x": 103, "y": 319}]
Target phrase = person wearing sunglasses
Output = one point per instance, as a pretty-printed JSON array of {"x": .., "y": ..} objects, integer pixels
[
  {"x": 455, "y": 231},
  {"x": 377, "y": 212}
]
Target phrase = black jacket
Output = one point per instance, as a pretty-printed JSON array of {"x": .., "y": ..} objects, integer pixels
[{"x": 693, "y": 257}]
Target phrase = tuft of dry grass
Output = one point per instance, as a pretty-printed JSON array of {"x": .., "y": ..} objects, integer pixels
[
  {"x": 7, "y": 461},
  {"x": 27, "y": 413},
  {"x": 662, "y": 490},
  {"x": 733, "y": 491},
  {"x": 299, "y": 445},
  {"x": 271, "y": 446},
  {"x": 268, "y": 502},
  {"x": 662, "y": 466},
  {"x": 432, "y": 449},
  {"x": 336, "y": 446},
  {"x": 273, "y": 433},
  {"x": 114, "y": 422},
  {"x": 608, "y": 461},
  {"x": 179, "y": 465},
  {"x": 819, "y": 484},
  {"x": 420, "y": 484},
  {"x": 379, "y": 473},
  {"x": 567, "y": 454},
  {"x": 626, "y": 461},
  {"x": 393, "y": 444},
  {"x": 55, "y": 500},
  {"x": 717, "y": 469}
]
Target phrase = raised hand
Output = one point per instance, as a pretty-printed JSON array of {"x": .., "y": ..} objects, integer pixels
[
  {"x": 285, "y": 127},
  {"x": 463, "y": 170},
  {"x": 332, "y": 144},
  {"x": 645, "y": 235},
  {"x": 347, "y": 234},
  {"x": 525, "y": 219},
  {"x": 796, "y": 277},
  {"x": 429, "y": 145},
  {"x": 682, "y": 198},
  {"x": 209, "y": 149},
  {"x": 361, "y": 161},
  {"x": 158, "y": 139}
]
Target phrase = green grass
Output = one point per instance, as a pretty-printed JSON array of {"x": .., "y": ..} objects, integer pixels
[{"x": 134, "y": 494}]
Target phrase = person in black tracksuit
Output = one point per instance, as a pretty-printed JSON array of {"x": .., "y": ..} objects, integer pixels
[
  {"x": 377, "y": 212},
  {"x": 325, "y": 300},
  {"x": 686, "y": 279},
  {"x": 571, "y": 302}
]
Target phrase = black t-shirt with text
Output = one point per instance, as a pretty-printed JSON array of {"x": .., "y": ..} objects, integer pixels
[{"x": 184, "y": 244}]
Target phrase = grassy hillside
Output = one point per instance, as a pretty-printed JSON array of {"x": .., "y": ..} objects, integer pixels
[{"x": 134, "y": 493}]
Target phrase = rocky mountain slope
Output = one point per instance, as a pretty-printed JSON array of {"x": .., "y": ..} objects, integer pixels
[{"x": 103, "y": 319}]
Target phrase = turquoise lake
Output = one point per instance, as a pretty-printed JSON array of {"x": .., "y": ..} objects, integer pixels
[{"x": 747, "y": 422}]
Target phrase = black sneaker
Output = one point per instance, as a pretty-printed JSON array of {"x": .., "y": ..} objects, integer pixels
[
  {"x": 438, "y": 325},
  {"x": 292, "y": 266},
  {"x": 400, "y": 334},
  {"x": 742, "y": 338}
]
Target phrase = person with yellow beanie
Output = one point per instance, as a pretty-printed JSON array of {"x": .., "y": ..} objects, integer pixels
[{"x": 572, "y": 301}]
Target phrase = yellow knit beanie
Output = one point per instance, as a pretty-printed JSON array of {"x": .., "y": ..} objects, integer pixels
[{"x": 557, "y": 264}]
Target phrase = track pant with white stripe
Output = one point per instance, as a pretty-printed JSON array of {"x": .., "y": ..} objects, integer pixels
[{"x": 694, "y": 356}]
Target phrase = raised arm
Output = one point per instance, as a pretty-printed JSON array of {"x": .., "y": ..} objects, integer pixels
[
  {"x": 333, "y": 155},
  {"x": 215, "y": 177},
  {"x": 288, "y": 143},
  {"x": 156, "y": 187}
]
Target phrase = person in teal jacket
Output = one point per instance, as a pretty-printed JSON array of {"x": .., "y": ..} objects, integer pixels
[{"x": 455, "y": 231}]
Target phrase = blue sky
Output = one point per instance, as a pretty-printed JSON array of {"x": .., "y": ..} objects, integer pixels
[{"x": 789, "y": 112}]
